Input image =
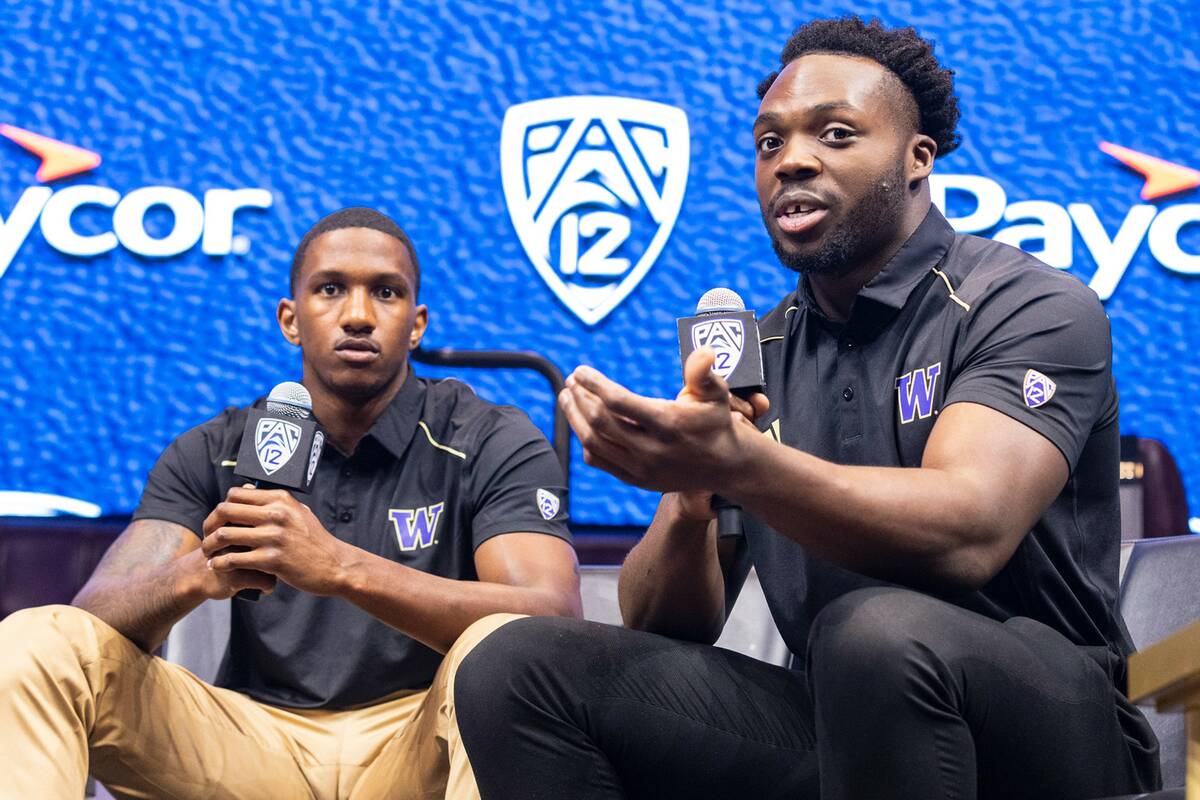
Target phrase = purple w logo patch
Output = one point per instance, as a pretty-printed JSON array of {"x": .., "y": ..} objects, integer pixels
[
  {"x": 416, "y": 527},
  {"x": 915, "y": 391}
]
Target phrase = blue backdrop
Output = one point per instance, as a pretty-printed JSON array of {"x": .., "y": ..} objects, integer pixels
[{"x": 105, "y": 357}]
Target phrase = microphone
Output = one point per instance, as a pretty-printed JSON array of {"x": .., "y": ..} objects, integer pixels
[
  {"x": 723, "y": 324},
  {"x": 281, "y": 446}
]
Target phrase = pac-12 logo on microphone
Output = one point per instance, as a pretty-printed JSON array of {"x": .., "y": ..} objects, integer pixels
[
  {"x": 726, "y": 337},
  {"x": 593, "y": 186},
  {"x": 275, "y": 442}
]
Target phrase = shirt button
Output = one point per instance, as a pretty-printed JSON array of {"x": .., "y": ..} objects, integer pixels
[
  {"x": 847, "y": 394},
  {"x": 347, "y": 472},
  {"x": 346, "y": 516},
  {"x": 850, "y": 344}
]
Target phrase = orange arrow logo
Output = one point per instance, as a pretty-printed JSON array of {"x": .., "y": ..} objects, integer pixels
[
  {"x": 1162, "y": 177},
  {"x": 59, "y": 159}
]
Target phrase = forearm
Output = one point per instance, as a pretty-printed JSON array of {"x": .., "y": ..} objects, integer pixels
[
  {"x": 922, "y": 527},
  {"x": 671, "y": 582},
  {"x": 436, "y": 610},
  {"x": 143, "y": 605}
]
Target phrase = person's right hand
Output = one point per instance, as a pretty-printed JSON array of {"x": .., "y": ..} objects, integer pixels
[{"x": 697, "y": 506}]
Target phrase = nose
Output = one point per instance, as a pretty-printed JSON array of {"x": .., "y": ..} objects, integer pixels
[
  {"x": 358, "y": 314},
  {"x": 797, "y": 161}
]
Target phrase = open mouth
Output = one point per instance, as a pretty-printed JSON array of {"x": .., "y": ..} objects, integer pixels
[{"x": 799, "y": 217}]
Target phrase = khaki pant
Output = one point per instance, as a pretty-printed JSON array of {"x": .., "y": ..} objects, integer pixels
[{"x": 75, "y": 694}]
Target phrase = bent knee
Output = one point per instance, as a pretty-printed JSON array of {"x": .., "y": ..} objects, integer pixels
[
  {"x": 518, "y": 650},
  {"x": 46, "y": 634},
  {"x": 875, "y": 625},
  {"x": 476, "y": 632},
  {"x": 66, "y": 620}
]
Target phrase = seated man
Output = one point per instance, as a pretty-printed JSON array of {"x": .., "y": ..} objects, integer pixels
[
  {"x": 930, "y": 502},
  {"x": 428, "y": 512}
]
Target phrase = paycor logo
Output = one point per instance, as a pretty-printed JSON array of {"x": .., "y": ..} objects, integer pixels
[
  {"x": 1053, "y": 226},
  {"x": 208, "y": 221}
]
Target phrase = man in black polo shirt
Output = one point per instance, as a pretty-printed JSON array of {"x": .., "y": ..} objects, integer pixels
[
  {"x": 430, "y": 510},
  {"x": 930, "y": 499}
]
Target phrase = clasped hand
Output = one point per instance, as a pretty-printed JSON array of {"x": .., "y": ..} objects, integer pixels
[
  {"x": 271, "y": 533},
  {"x": 690, "y": 444}
]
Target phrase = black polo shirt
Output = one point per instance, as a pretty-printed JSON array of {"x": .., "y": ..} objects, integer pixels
[
  {"x": 439, "y": 473},
  {"x": 953, "y": 319}
]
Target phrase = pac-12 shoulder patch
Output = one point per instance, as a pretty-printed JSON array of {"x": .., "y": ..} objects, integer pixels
[
  {"x": 1038, "y": 389},
  {"x": 547, "y": 503}
]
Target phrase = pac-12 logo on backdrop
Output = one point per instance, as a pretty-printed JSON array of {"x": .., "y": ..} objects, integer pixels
[
  {"x": 593, "y": 187},
  {"x": 726, "y": 337}
]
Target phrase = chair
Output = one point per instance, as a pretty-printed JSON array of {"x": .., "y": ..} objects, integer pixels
[
  {"x": 198, "y": 641},
  {"x": 1160, "y": 594},
  {"x": 750, "y": 630},
  {"x": 1153, "y": 502}
]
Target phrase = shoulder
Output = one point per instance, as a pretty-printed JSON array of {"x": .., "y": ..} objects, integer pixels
[
  {"x": 455, "y": 417},
  {"x": 988, "y": 273},
  {"x": 212, "y": 438}
]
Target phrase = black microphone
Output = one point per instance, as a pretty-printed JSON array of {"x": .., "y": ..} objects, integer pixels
[
  {"x": 281, "y": 446},
  {"x": 723, "y": 324}
]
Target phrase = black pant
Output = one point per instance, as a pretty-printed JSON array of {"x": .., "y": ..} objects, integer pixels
[{"x": 906, "y": 696}]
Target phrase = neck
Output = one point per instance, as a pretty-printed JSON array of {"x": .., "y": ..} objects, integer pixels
[
  {"x": 835, "y": 294},
  {"x": 347, "y": 419}
]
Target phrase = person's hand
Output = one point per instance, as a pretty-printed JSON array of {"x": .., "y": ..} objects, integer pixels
[
  {"x": 269, "y": 531},
  {"x": 223, "y": 585},
  {"x": 689, "y": 444},
  {"x": 698, "y": 505}
]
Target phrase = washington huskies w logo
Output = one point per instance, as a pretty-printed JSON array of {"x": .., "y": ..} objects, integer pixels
[
  {"x": 593, "y": 186},
  {"x": 275, "y": 442},
  {"x": 915, "y": 391},
  {"x": 416, "y": 527},
  {"x": 725, "y": 336}
]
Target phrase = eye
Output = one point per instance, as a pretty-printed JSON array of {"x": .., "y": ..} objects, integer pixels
[
  {"x": 329, "y": 289},
  {"x": 386, "y": 293},
  {"x": 768, "y": 143},
  {"x": 839, "y": 133}
]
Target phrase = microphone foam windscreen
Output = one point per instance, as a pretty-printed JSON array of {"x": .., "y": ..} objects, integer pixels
[
  {"x": 719, "y": 300},
  {"x": 290, "y": 399}
]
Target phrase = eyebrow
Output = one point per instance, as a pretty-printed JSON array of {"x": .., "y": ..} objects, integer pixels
[
  {"x": 774, "y": 118},
  {"x": 325, "y": 276}
]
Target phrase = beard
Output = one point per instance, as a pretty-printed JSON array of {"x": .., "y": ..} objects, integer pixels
[{"x": 861, "y": 232}]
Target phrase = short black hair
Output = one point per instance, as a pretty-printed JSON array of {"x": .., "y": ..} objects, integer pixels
[
  {"x": 901, "y": 51},
  {"x": 355, "y": 217}
]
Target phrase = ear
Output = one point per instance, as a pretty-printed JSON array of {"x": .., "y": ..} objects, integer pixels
[
  {"x": 420, "y": 323},
  {"x": 921, "y": 153},
  {"x": 286, "y": 314}
]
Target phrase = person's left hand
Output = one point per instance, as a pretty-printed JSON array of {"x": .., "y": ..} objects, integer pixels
[
  {"x": 284, "y": 538},
  {"x": 688, "y": 444}
]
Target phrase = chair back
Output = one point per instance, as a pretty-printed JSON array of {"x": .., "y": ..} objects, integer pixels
[
  {"x": 750, "y": 630},
  {"x": 1153, "y": 502},
  {"x": 1160, "y": 594},
  {"x": 198, "y": 641}
]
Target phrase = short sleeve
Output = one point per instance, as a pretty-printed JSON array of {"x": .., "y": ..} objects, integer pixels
[
  {"x": 1039, "y": 351},
  {"x": 181, "y": 488},
  {"x": 515, "y": 481}
]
